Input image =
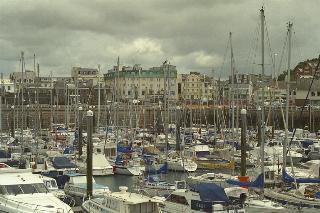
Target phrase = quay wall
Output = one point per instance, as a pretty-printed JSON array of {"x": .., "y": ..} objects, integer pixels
[{"x": 149, "y": 116}]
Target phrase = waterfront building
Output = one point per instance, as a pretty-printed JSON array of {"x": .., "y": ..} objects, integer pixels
[
  {"x": 275, "y": 96},
  {"x": 196, "y": 86},
  {"x": 8, "y": 86},
  {"x": 28, "y": 77},
  {"x": 86, "y": 74},
  {"x": 126, "y": 82},
  {"x": 301, "y": 88}
]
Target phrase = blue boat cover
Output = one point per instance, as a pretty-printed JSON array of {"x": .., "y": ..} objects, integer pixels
[
  {"x": 289, "y": 179},
  {"x": 124, "y": 149},
  {"x": 257, "y": 183},
  {"x": 307, "y": 143},
  {"x": 63, "y": 162},
  {"x": 68, "y": 150},
  {"x": 210, "y": 192},
  {"x": 162, "y": 170}
]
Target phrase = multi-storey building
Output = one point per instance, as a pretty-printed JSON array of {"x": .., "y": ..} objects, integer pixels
[
  {"x": 8, "y": 86},
  {"x": 27, "y": 77},
  {"x": 242, "y": 89},
  {"x": 196, "y": 86},
  {"x": 127, "y": 82},
  {"x": 86, "y": 74}
]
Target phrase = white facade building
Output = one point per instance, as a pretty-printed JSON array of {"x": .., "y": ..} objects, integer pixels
[{"x": 136, "y": 83}]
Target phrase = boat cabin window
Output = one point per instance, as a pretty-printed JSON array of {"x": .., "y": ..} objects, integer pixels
[
  {"x": 28, "y": 189},
  {"x": 40, "y": 187},
  {"x": 53, "y": 184},
  {"x": 180, "y": 184},
  {"x": 14, "y": 190},
  {"x": 143, "y": 207},
  {"x": 177, "y": 199},
  {"x": 3, "y": 190},
  {"x": 23, "y": 189}
]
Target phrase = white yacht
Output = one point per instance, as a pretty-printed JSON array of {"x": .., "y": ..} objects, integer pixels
[
  {"x": 23, "y": 192},
  {"x": 120, "y": 202},
  {"x": 100, "y": 165}
]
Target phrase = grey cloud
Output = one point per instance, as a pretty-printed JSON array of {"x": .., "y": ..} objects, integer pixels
[{"x": 189, "y": 33}]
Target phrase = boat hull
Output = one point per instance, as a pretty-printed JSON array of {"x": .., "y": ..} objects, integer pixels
[
  {"x": 180, "y": 167},
  {"x": 121, "y": 170},
  {"x": 102, "y": 171}
]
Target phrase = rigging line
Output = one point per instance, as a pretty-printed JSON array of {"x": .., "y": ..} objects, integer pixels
[
  {"x": 282, "y": 53},
  {"x": 252, "y": 44},
  {"x": 269, "y": 45},
  {"x": 305, "y": 101},
  {"x": 224, "y": 58},
  {"x": 297, "y": 46},
  {"x": 256, "y": 44}
]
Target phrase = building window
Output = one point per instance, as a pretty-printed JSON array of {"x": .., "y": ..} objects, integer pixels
[
  {"x": 318, "y": 93},
  {"x": 9, "y": 87},
  {"x": 143, "y": 93},
  {"x": 129, "y": 92},
  {"x": 313, "y": 94}
]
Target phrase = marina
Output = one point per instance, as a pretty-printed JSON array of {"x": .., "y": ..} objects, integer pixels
[{"x": 130, "y": 139}]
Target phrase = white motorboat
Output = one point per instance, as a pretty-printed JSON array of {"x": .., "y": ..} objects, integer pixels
[
  {"x": 23, "y": 192},
  {"x": 120, "y": 202},
  {"x": 52, "y": 186}
]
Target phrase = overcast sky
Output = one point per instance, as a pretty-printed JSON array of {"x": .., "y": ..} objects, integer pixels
[{"x": 193, "y": 35}]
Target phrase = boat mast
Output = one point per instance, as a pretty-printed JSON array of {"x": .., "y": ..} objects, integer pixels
[
  {"x": 165, "y": 72},
  {"x": 51, "y": 101},
  {"x": 115, "y": 101},
  {"x": 99, "y": 86},
  {"x": 22, "y": 96},
  {"x": 262, "y": 97},
  {"x": 231, "y": 90},
  {"x": 286, "y": 141}
]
